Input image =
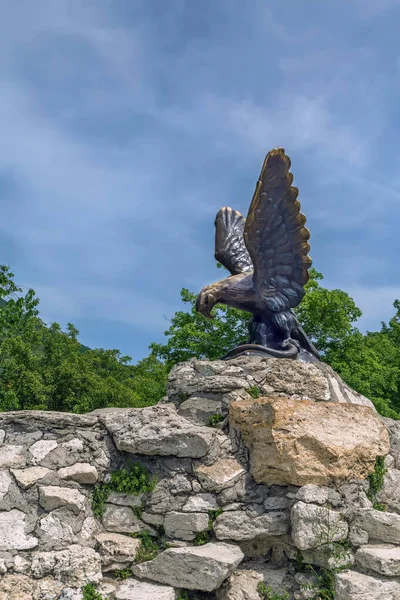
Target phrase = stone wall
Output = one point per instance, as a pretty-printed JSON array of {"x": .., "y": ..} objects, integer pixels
[{"x": 222, "y": 518}]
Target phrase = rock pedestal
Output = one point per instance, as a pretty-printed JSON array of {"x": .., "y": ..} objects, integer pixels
[{"x": 259, "y": 468}]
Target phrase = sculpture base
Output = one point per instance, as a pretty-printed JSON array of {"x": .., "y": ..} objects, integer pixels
[{"x": 291, "y": 352}]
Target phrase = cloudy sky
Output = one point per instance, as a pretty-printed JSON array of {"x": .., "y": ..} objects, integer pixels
[{"x": 126, "y": 124}]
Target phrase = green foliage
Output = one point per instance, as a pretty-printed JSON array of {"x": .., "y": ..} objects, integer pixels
[
  {"x": 254, "y": 392},
  {"x": 149, "y": 547},
  {"x": 376, "y": 481},
  {"x": 267, "y": 593},
  {"x": 183, "y": 596},
  {"x": 133, "y": 479},
  {"x": 215, "y": 419},
  {"x": 90, "y": 593},
  {"x": 203, "y": 537},
  {"x": 45, "y": 368},
  {"x": 122, "y": 573}
]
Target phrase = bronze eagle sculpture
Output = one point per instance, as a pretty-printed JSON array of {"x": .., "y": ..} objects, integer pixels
[{"x": 267, "y": 256}]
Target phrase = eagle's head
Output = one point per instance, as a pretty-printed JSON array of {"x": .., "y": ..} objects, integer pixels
[{"x": 209, "y": 296}]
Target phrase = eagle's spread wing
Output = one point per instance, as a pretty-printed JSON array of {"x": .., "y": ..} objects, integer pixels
[
  {"x": 230, "y": 249},
  {"x": 275, "y": 235}
]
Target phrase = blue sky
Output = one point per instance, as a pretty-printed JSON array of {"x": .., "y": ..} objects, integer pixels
[{"x": 126, "y": 125}]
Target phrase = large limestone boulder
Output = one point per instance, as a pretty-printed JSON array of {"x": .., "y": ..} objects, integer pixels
[
  {"x": 295, "y": 442},
  {"x": 158, "y": 430},
  {"x": 193, "y": 568},
  {"x": 352, "y": 585}
]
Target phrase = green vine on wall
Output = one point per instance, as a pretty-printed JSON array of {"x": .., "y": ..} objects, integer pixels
[{"x": 376, "y": 480}]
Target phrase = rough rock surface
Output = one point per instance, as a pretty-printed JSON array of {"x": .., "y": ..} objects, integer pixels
[
  {"x": 52, "y": 464},
  {"x": 195, "y": 568},
  {"x": 295, "y": 443}
]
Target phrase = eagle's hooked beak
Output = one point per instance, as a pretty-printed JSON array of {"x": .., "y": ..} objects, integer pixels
[{"x": 204, "y": 303}]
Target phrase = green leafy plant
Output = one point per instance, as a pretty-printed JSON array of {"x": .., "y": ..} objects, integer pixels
[
  {"x": 133, "y": 479},
  {"x": 122, "y": 573},
  {"x": 204, "y": 536},
  {"x": 376, "y": 481},
  {"x": 90, "y": 593},
  {"x": 138, "y": 510},
  {"x": 215, "y": 419},
  {"x": 201, "y": 538},
  {"x": 254, "y": 391},
  {"x": 267, "y": 593},
  {"x": 149, "y": 547},
  {"x": 183, "y": 596}
]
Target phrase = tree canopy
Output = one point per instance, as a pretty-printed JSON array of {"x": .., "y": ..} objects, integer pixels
[{"x": 45, "y": 368}]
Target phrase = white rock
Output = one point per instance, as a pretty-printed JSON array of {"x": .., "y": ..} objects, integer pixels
[
  {"x": 27, "y": 477},
  {"x": 89, "y": 528},
  {"x": 2, "y": 436},
  {"x": 158, "y": 430},
  {"x": 80, "y": 472},
  {"x": 380, "y": 526},
  {"x": 243, "y": 525},
  {"x": 383, "y": 559},
  {"x": 54, "y": 531},
  {"x": 116, "y": 548},
  {"x": 12, "y": 532},
  {"x": 242, "y": 584},
  {"x": 313, "y": 526},
  {"x": 352, "y": 585},
  {"x": 142, "y": 590},
  {"x": 185, "y": 526},
  {"x": 52, "y": 496},
  {"x": 74, "y": 445},
  {"x": 12, "y": 456},
  {"x": 121, "y": 520},
  {"x": 3, "y": 566},
  {"x": 200, "y": 503},
  {"x": 21, "y": 564},
  {"x": 389, "y": 494},
  {"x": 313, "y": 494},
  {"x": 76, "y": 566},
  {"x": 5, "y": 482},
  {"x": 221, "y": 474},
  {"x": 39, "y": 450},
  {"x": 194, "y": 568}
]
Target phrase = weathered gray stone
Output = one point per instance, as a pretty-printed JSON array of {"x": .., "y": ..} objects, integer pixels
[
  {"x": 143, "y": 590},
  {"x": 313, "y": 526},
  {"x": 380, "y": 526},
  {"x": 194, "y": 568},
  {"x": 125, "y": 499},
  {"x": 389, "y": 494},
  {"x": 73, "y": 445},
  {"x": 80, "y": 472},
  {"x": 12, "y": 456},
  {"x": 277, "y": 503},
  {"x": 161, "y": 499},
  {"x": 5, "y": 482},
  {"x": 54, "y": 533},
  {"x": 352, "y": 585},
  {"x": 200, "y": 503},
  {"x": 221, "y": 474},
  {"x": 199, "y": 410},
  {"x": 313, "y": 494},
  {"x": 21, "y": 564},
  {"x": 2, "y": 436},
  {"x": 242, "y": 584},
  {"x": 13, "y": 535},
  {"x": 115, "y": 548},
  {"x": 247, "y": 525},
  {"x": 273, "y": 377},
  {"x": 158, "y": 430},
  {"x": 185, "y": 526},
  {"x": 121, "y": 519},
  {"x": 383, "y": 559},
  {"x": 53, "y": 496},
  {"x": 39, "y": 450},
  {"x": 180, "y": 484},
  {"x": 27, "y": 477},
  {"x": 76, "y": 566}
]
